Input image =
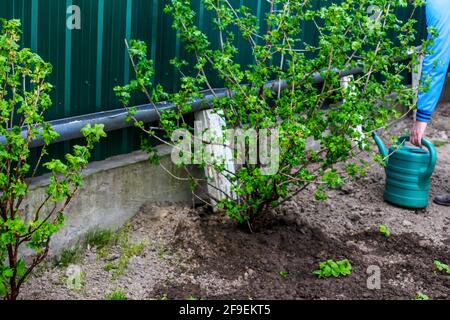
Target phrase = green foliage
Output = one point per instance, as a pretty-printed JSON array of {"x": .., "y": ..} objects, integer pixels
[
  {"x": 116, "y": 294},
  {"x": 69, "y": 256},
  {"x": 101, "y": 238},
  {"x": 348, "y": 37},
  {"x": 441, "y": 267},
  {"x": 332, "y": 180},
  {"x": 283, "y": 274},
  {"x": 334, "y": 269},
  {"x": 24, "y": 99},
  {"x": 385, "y": 231},
  {"x": 127, "y": 250},
  {"x": 422, "y": 296},
  {"x": 320, "y": 194},
  {"x": 109, "y": 266}
]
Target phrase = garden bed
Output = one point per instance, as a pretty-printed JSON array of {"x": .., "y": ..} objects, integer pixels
[{"x": 174, "y": 252}]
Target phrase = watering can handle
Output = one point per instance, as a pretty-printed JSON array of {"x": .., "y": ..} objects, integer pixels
[{"x": 433, "y": 157}]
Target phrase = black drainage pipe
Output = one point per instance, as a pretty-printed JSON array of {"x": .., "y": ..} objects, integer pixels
[{"x": 69, "y": 128}]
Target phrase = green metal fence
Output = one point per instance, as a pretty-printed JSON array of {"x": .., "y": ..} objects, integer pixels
[{"x": 88, "y": 62}]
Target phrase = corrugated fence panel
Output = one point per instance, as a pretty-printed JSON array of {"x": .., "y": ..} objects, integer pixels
[{"x": 88, "y": 62}]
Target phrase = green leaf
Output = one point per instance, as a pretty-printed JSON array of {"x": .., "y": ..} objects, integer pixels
[
  {"x": 334, "y": 269},
  {"x": 385, "y": 231},
  {"x": 56, "y": 166},
  {"x": 21, "y": 268},
  {"x": 440, "y": 266},
  {"x": 8, "y": 273},
  {"x": 320, "y": 195},
  {"x": 94, "y": 133},
  {"x": 422, "y": 296},
  {"x": 3, "y": 289},
  {"x": 49, "y": 134}
]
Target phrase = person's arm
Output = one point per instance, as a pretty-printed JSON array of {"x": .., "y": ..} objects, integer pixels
[{"x": 435, "y": 67}]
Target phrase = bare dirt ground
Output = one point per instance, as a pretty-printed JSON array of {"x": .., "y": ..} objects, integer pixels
[{"x": 198, "y": 254}]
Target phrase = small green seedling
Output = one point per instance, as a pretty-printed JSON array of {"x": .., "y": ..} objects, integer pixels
[
  {"x": 422, "y": 296},
  {"x": 109, "y": 266},
  {"x": 192, "y": 298},
  {"x": 283, "y": 274},
  {"x": 385, "y": 231},
  {"x": 330, "y": 268},
  {"x": 441, "y": 267},
  {"x": 117, "y": 294}
]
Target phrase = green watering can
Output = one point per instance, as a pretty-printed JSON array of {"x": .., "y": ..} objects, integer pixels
[{"x": 408, "y": 172}]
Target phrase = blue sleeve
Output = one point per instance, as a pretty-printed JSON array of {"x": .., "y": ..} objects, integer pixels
[{"x": 435, "y": 64}]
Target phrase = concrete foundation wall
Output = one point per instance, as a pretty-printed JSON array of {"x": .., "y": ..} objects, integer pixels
[{"x": 112, "y": 193}]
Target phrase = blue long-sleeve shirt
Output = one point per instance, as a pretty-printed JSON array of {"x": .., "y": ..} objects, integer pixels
[{"x": 435, "y": 64}]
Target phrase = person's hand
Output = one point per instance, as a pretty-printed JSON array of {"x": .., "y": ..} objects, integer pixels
[{"x": 418, "y": 133}]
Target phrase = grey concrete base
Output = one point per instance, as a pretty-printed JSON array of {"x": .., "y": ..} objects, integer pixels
[{"x": 112, "y": 193}]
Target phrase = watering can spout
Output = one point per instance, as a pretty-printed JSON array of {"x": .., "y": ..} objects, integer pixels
[{"x": 383, "y": 150}]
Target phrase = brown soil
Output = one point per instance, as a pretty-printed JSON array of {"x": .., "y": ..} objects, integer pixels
[
  {"x": 292, "y": 245},
  {"x": 202, "y": 254}
]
